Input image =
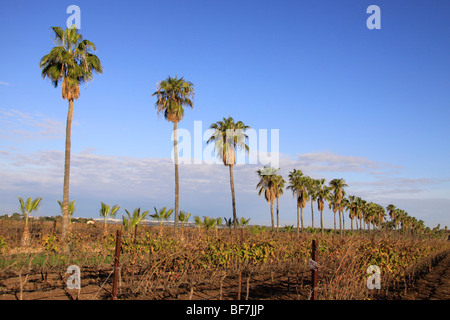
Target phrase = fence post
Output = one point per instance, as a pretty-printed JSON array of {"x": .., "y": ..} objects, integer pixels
[
  {"x": 239, "y": 285},
  {"x": 116, "y": 263},
  {"x": 314, "y": 271}
]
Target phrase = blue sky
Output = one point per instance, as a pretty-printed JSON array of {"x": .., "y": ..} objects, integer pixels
[{"x": 369, "y": 106}]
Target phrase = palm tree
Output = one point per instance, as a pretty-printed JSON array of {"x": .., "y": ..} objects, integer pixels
[
  {"x": 208, "y": 223},
  {"x": 297, "y": 183},
  {"x": 73, "y": 63},
  {"x": 361, "y": 207},
  {"x": 279, "y": 187},
  {"x": 332, "y": 204},
  {"x": 353, "y": 209},
  {"x": 71, "y": 210},
  {"x": 133, "y": 220},
  {"x": 380, "y": 215},
  {"x": 344, "y": 206},
  {"x": 391, "y": 211},
  {"x": 338, "y": 186},
  {"x": 267, "y": 185},
  {"x": 227, "y": 137},
  {"x": 162, "y": 214},
  {"x": 242, "y": 222},
  {"x": 105, "y": 212},
  {"x": 183, "y": 217},
  {"x": 370, "y": 214},
  {"x": 26, "y": 208},
  {"x": 323, "y": 193},
  {"x": 172, "y": 95}
]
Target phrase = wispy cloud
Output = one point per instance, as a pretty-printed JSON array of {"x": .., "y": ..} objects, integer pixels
[
  {"x": 204, "y": 186},
  {"x": 3, "y": 83},
  {"x": 15, "y": 124}
]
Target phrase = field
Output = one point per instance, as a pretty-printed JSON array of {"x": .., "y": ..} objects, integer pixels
[{"x": 250, "y": 263}]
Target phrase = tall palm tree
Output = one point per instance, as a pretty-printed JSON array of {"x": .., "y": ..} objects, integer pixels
[
  {"x": 353, "y": 209},
  {"x": 338, "y": 186},
  {"x": 332, "y": 204},
  {"x": 391, "y": 211},
  {"x": 298, "y": 183},
  {"x": 73, "y": 63},
  {"x": 107, "y": 211},
  {"x": 172, "y": 95},
  {"x": 227, "y": 137},
  {"x": 360, "y": 207},
  {"x": 381, "y": 213},
  {"x": 26, "y": 208},
  {"x": 323, "y": 193},
  {"x": 344, "y": 206},
  {"x": 267, "y": 184},
  {"x": 279, "y": 188}
]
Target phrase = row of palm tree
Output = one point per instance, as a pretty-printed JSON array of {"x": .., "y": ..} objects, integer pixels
[
  {"x": 305, "y": 188},
  {"x": 73, "y": 62}
]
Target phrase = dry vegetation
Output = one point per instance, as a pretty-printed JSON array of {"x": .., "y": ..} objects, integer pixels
[{"x": 208, "y": 264}]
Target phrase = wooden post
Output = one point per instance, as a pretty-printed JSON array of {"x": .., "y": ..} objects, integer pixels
[
  {"x": 239, "y": 285},
  {"x": 314, "y": 271},
  {"x": 116, "y": 263}
]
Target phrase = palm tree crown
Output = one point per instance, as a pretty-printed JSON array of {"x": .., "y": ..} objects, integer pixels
[
  {"x": 71, "y": 62},
  {"x": 172, "y": 95},
  {"x": 228, "y": 135}
]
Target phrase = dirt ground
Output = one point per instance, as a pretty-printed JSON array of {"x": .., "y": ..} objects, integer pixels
[
  {"x": 434, "y": 285},
  {"x": 97, "y": 285}
]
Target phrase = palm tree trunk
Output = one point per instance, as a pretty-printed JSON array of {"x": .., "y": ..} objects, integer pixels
[
  {"x": 301, "y": 217},
  {"x": 321, "y": 220},
  {"x": 177, "y": 184},
  {"x": 233, "y": 199},
  {"x": 298, "y": 220},
  {"x": 312, "y": 214},
  {"x": 343, "y": 220},
  {"x": 26, "y": 233},
  {"x": 278, "y": 217},
  {"x": 340, "y": 222},
  {"x": 271, "y": 213},
  {"x": 65, "y": 208},
  {"x": 105, "y": 230},
  {"x": 334, "y": 221}
]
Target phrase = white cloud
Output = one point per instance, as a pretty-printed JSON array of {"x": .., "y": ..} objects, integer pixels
[
  {"x": 3, "y": 83},
  {"x": 15, "y": 124},
  {"x": 204, "y": 187}
]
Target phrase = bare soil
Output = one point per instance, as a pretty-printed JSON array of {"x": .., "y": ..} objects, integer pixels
[{"x": 435, "y": 285}]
